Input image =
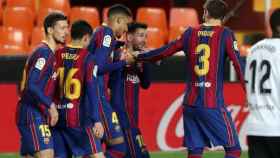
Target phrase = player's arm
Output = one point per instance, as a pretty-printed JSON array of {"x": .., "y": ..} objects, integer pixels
[
  {"x": 167, "y": 50},
  {"x": 37, "y": 76},
  {"x": 144, "y": 74},
  {"x": 234, "y": 55},
  {"x": 91, "y": 89},
  {"x": 104, "y": 46}
]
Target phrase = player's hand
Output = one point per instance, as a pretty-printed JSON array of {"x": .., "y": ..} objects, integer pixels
[
  {"x": 129, "y": 58},
  {"x": 98, "y": 130},
  {"x": 53, "y": 114}
]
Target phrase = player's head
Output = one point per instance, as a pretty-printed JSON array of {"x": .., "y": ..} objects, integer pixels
[
  {"x": 137, "y": 35},
  {"x": 56, "y": 26},
  {"x": 81, "y": 31},
  {"x": 119, "y": 16},
  {"x": 275, "y": 23},
  {"x": 214, "y": 9}
]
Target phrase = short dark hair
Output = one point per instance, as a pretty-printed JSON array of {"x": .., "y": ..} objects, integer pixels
[
  {"x": 79, "y": 29},
  {"x": 51, "y": 19},
  {"x": 216, "y": 8},
  {"x": 119, "y": 9},
  {"x": 274, "y": 20},
  {"x": 132, "y": 27}
]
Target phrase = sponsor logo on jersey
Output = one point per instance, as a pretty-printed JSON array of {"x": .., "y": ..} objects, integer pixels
[
  {"x": 40, "y": 63},
  {"x": 69, "y": 56},
  {"x": 132, "y": 78},
  {"x": 107, "y": 41},
  {"x": 203, "y": 84}
]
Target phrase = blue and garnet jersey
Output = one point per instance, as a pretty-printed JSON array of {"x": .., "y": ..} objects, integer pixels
[
  {"x": 206, "y": 48},
  {"x": 36, "y": 89},
  {"x": 76, "y": 94},
  {"x": 125, "y": 85},
  {"x": 102, "y": 46}
]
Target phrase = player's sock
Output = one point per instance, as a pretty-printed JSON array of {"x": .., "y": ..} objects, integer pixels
[
  {"x": 116, "y": 151},
  {"x": 233, "y": 152},
  {"x": 195, "y": 153}
]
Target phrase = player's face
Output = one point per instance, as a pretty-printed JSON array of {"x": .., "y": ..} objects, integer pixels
[
  {"x": 121, "y": 25},
  {"x": 60, "y": 31},
  {"x": 139, "y": 39}
]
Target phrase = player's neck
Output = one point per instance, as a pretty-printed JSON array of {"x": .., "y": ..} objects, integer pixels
[
  {"x": 51, "y": 43},
  {"x": 213, "y": 22}
]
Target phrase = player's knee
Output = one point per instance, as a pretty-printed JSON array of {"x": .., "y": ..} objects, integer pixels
[
  {"x": 48, "y": 153},
  {"x": 97, "y": 155}
]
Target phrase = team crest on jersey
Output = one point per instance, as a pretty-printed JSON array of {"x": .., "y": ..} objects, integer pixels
[
  {"x": 94, "y": 71},
  {"x": 46, "y": 140},
  {"x": 235, "y": 45},
  {"x": 40, "y": 63},
  {"x": 107, "y": 41}
]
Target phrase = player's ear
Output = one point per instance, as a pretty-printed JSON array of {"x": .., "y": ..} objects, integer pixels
[{"x": 49, "y": 30}]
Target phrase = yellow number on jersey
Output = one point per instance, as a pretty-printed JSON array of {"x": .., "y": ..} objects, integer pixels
[
  {"x": 201, "y": 71},
  {"x": 115, "y": 118},
  {"x": 140, "y": 140},
  {"x": 45, "y": 130},
  {"x": 72, "y": 87}
]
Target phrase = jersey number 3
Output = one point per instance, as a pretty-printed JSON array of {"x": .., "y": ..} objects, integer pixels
[
  {"x": 203, "y": 51},
  {"x": 71, "y": 86}
]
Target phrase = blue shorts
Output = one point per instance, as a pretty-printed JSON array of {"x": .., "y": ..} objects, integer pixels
[
  {"x": 135, "y": 144},
  {"x": 110, "y": 121},
  {"x": 75, "y": 141},
  {"x": 206, "y": 127},
  {"x": 35, "y": 137}
]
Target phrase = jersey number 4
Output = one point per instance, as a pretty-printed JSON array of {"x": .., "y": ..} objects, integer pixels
[
  {"x": 202, "y": 68},
  {"x": 71, "y": 87},
  {"x": 254, "y": 67}
]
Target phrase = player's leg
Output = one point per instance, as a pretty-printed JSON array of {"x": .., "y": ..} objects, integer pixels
[
  {"x": 273, "y": 144},
  {"x": 195, "y": 153},
  {"x": 135, "y": 144},
  {"x": 36, "y": 139},
  {"x": 113, "y": 135},
  {"x": 232, "y": 149},
  {"x": 194, "y": 139},
  {"x": 83, "y": 142},
  {"x": 257, "y": 147},
  {"x": 61, "y": 150}
]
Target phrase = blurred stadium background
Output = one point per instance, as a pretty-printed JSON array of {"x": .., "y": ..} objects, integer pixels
[{"x": 21, "y": 29}]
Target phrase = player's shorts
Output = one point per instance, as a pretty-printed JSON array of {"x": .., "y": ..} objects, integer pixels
[
  {"x": 206, "y": 127},
  {"x": 75, "y": 141},
  {"x": 35, "y": 137},
  {"x": 135, "y": 144},
  {"x": 263, "y": 147},
  {"x": 110, "y": 121}
]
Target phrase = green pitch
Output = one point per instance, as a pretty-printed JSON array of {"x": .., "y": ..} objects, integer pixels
[{"x": 159, "y": 155}]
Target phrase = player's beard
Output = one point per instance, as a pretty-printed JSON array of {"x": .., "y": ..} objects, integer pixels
[{"x": 57, "y": 41}]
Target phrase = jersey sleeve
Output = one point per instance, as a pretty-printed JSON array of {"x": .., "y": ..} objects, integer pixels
[
  {"x": 91, "y": 89},
  {"x": 103, "y": 41},
  {"x": 144, "y": 74},
  {"x": 37, "y": 76},
  {"x": 167, "y": 50},
  {"x": 234, "y": 55}
]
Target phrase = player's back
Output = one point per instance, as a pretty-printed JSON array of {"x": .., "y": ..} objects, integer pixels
[
  {"x": 263, "y": 81},
  {"x": 71, "y": 63},
  {"x": 206, "y": 49}
]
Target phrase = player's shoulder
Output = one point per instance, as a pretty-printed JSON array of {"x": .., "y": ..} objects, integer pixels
[
  {"x": 42, "y": 50},
  {"x": 271, "y": 45},
  {"x": 104, "y": 30}
]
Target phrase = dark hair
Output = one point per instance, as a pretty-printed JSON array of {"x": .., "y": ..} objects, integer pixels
[
  {"x": 119, "y": 9},
  {"x": 79, "y": 29},
  {"x": 216, "y": 8},
  {"x": 132, "y": 27},
  {"x": 51, "y": 19},
  {"x": 274, "y": 21}
]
